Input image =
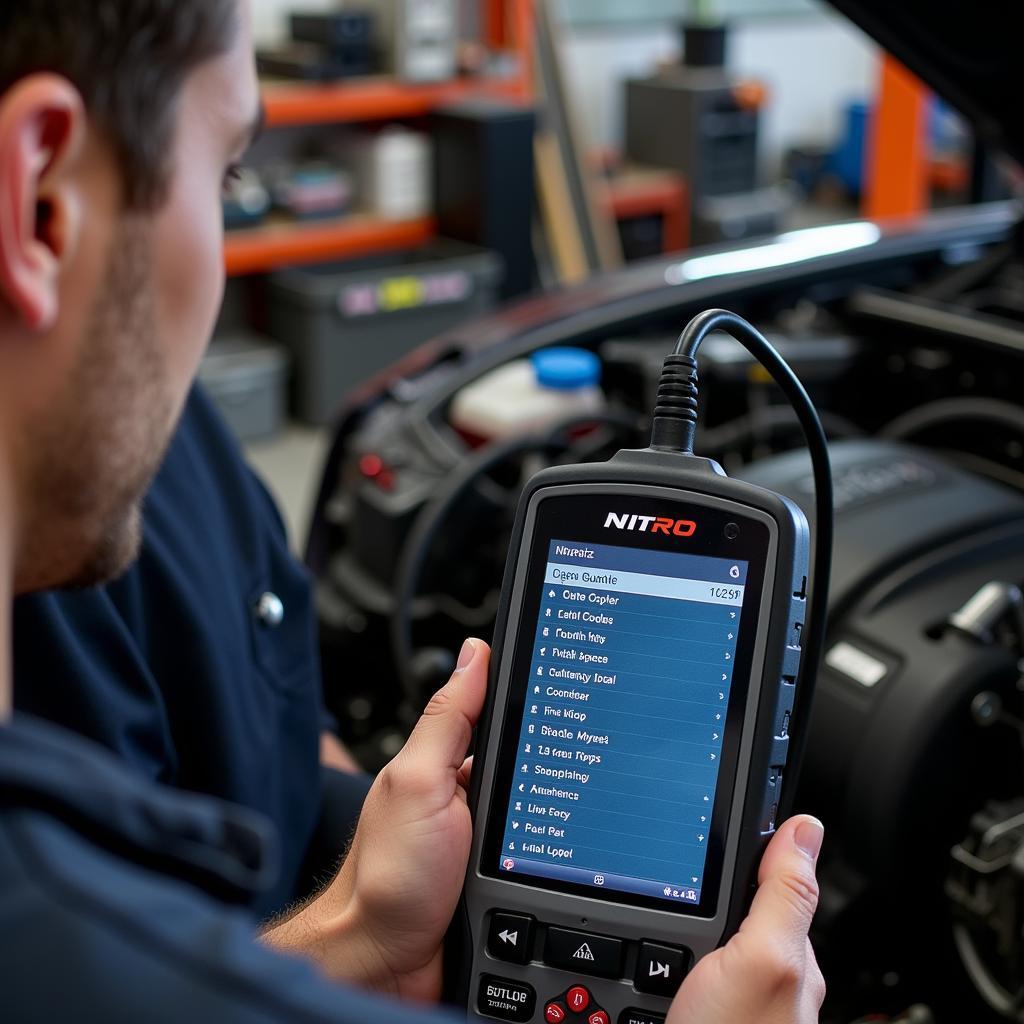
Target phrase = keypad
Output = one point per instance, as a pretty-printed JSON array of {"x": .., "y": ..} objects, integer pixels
[
  {"x": 653, "y": 968},
  {"x": 575, "y": 1006}
]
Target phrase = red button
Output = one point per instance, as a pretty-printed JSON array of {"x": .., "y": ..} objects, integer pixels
[
  {"x": 578, "y": 998},
  {"x": 598, "y": 1017},
  {"x": 371, "y": 466},
  {"x": 554, "y": 1013}
]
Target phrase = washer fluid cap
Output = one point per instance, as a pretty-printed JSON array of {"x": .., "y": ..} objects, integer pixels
[{"x": 566, "y": 369}]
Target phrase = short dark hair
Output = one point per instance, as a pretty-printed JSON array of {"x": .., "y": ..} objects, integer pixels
[{"x": 129, "y": 59}]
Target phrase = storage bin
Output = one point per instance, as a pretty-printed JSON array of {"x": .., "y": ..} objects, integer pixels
[
  {"x": 345, "y": 322},
  {"x": 247, "y": 378}
]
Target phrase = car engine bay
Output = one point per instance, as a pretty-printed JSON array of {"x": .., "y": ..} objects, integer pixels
[{"x": 909, "y": 340}]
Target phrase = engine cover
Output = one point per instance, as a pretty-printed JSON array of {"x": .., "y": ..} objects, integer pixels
[{"x": 896, "y": 765}]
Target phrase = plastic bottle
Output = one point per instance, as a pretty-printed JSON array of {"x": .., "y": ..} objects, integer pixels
[
  {"x": 530, "y": 395},
  {"x": 397, "y": 177}
]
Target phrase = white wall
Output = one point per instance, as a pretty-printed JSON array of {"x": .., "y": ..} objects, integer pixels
[{"x": 812, "y": 65}]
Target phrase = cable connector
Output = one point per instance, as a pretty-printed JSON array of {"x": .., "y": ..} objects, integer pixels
[{"x": 675, "y": 414}]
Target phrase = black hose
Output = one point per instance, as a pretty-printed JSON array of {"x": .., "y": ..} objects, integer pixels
[
  {"x": 817, "y": 612},
  {"x": 937, "y": 414},
  {"x": 730, "y": 435},
  {"x": 434, "y": 514}
]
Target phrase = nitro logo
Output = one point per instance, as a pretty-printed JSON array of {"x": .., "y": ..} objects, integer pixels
[{"x": 651, "y": 524}]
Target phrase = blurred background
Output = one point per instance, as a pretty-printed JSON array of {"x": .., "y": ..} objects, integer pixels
[
  {"x": 459, "y": 252},
  {"x": 608, "y": 132}
]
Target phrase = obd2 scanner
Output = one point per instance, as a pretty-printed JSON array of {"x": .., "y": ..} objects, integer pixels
[{"x": 653, "y": 660}]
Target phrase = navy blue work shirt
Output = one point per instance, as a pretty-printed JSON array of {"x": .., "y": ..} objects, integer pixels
[
  {"x": 104, "y": 915},
  {"x": 177, "y": 667}
]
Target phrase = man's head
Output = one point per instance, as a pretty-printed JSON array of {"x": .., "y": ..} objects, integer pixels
[{"x": 119, "y": 120}]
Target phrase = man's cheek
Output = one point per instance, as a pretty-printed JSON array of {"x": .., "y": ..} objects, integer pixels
[{"x": 189, "y": 281}]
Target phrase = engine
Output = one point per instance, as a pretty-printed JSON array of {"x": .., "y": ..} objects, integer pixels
[{"x": 914, "y": 760}]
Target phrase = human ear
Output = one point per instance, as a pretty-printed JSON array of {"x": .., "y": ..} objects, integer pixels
[{"x": 42, "y": 132}]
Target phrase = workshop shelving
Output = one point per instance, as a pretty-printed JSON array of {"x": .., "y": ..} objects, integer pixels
[{"x": 373, "y": 99}]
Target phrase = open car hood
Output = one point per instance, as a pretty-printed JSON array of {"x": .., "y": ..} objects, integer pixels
[{"x": 971, "y": 53}]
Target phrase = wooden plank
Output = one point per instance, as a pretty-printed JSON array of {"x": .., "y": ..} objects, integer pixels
[
  {"x": 580, "y": 189},
  {"x": 561, "y": 228}
]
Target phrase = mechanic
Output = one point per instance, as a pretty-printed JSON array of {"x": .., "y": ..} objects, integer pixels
[
  {"x": 118, "y": 119},
  {"x": 199, "y": 666}
]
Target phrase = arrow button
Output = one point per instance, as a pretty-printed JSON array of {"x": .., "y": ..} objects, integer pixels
[
  {"x": 660, "y": 969},
  {"x": 510, "y": 937},
  {"x": 632, "y": 1015}
]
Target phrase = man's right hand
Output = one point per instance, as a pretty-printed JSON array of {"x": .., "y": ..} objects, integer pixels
[
  {"x": 766, "y": 973},
  {"x": 381, "y": 922}
]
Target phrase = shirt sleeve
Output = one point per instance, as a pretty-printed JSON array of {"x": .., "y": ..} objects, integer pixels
[{"x": 89, "y": 937}]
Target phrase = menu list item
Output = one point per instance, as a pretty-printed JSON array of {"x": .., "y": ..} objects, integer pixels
[{"x": 619, "y": 748}]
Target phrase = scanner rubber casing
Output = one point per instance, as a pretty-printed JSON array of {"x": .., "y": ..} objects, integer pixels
[{"x": 763, "y": 754}]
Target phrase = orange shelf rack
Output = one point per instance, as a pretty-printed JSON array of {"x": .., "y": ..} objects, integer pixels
[
  {"x": 279, "y": 244},
  {"x": 376, "y": 98},
  {"x": 371, "y": 99},
  {"x": 282, "y": 242},
  {"x": 648, "y": 193}
]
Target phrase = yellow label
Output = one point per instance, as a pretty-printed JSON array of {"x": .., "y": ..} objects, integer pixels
[{"x": 401, "y": 293}]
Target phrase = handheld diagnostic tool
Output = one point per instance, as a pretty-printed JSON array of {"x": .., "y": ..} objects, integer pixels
[{"x": 641, "y": 711}]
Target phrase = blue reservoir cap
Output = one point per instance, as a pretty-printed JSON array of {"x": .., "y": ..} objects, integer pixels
[{"x": 566, "y": 369}]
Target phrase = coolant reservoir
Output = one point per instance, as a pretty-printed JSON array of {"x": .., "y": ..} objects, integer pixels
[{"x": 529, "y": 396}]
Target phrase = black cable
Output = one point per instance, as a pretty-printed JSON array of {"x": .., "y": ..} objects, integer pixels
[
  {"x": 675, "y": 422},
  {"x": 733, "y": 434},
  {"x": 673, "y": 429},
  {"x": 988, "y": 468},
  {"x": 937, "y": 414},
  {"x": 1005, "y": 1003}
]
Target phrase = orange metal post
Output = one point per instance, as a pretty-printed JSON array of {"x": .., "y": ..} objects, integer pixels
[
  {"x": 508, "y": 25},
  {"x": 519, "y": 39},
  {"x": 495, "y": 29},
  {"x": 897, "y": 171}
]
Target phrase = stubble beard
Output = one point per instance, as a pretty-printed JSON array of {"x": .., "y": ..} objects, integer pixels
[{"x": 96, "y": 452}]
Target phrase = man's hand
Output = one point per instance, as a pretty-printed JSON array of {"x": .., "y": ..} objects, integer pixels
[
  {"x": 381, "y": 923},
  {"x": 765, "y": 974}
]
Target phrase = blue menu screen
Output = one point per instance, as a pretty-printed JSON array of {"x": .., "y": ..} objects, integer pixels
[{"x": 618, "y": 755}]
